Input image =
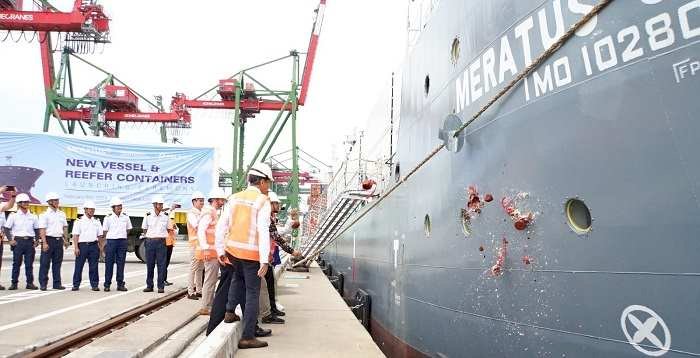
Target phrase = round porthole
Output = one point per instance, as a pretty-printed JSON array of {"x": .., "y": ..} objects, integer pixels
[
  {"x": 578, "y": 216},
  {"x": 466, "y": 222},
  {"x": 426, "y": 225},
  {"x": 454, "y": 51},
  {"x": 426, "y": 84}
]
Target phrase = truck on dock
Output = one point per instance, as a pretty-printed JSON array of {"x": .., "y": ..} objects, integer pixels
[{"x": 99, "y": 168}]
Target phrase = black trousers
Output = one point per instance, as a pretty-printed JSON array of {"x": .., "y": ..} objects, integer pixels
[
  {"x": 270, "y": 280},
  {"x": 218, "y": 307},
  {"x": 167, "y": 259}
]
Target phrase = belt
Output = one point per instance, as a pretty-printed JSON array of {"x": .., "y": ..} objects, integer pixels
[
  {"x": 88, "y": 243},
  {"x": 155, "y": 238},
  {"x": 24, "y": 237},
  {"x": 116, "y": 238},
  {"x": 55, "y": 237}
]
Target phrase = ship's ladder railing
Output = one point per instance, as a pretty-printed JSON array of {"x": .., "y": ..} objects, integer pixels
[{"x": 333, "y": 220}]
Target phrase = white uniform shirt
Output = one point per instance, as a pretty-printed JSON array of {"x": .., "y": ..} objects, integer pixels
[
  {"x": 88, "y": 229},
  {"x": 2, "y": 223},
  {"x": 53, "y": 221},
  {"x": 156, "y": 226},
  {"x": 263, "y": 222},
  {"x": 22, "y": 224},
  {"x": 116, "y": 226}
]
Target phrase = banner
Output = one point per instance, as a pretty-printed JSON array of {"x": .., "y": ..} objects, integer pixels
[{"x": 97, "y": 169}]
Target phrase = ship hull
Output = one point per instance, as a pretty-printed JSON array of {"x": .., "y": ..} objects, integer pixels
[{"x": 618, "y": 136}]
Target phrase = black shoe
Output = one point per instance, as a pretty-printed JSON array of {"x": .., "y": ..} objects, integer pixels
[
  {"x": 95, "y": 288},
  {"x": 121, "y": 288},
  {"x": 74, "y": 289},
  {"x": 32, "y": 287},
  {"x": 278, "y": 313},
  {"x": 168, "y": 283},
  {"x": 148, "y": 289},
  {"x": 198, "y": 295},
  {"x": 43, "y": 288},
  {"x": 12, "y": 287},
  {"x": 107, "y": 289},
  {"x": 192, "y": 297},
  {"x": 272, "y": 319},
  {"x": 2, "y": 288},
  {"x": 161, "y": 290},
  {"x": 59, "y": 287},
  {"x": 262, "y": 332}
]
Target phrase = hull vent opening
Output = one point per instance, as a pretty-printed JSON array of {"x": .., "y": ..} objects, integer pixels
[
  {"x": 426, "y": 225},
  {"x": 426, "y": 85},
  {"x": 578, "y": 216},
  {"x": 454, "y": 51}
]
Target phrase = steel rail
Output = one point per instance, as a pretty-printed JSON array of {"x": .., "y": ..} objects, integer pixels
[{"x": 79, "y": 338}]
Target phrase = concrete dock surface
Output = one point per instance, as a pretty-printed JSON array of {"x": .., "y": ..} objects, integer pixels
[
  {"x": 34, "y": 318},
  {"x": 318, "y": 322}
]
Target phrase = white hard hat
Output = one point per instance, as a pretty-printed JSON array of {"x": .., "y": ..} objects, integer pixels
[
  {"x": 89, "y": 204},
  {"x": 273, "y": 197},
  {"x": 217, "y": 193},
  {"x": 197, "y": 195},
  {"x": 157, "y": 199},
  {"x": 115, "y": 201},
  {"x": 51, "y": 196},
  {"x": 261, "y": 170},
  {"x": 22, "y": 197}
]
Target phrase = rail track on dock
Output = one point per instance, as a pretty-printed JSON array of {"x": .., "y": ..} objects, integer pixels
[{"x": 69, "y": 343}]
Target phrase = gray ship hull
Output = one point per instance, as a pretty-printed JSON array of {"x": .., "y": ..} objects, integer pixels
[{"x": 611, "y": 119}]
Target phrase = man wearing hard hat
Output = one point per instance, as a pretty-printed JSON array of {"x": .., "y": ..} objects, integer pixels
[
  {"x": 21, "y": 232},
  {"x": 155, "y": 226},
  {"x": 86, "y": 232},
  {"x": 194, "y": 289},
  {"x": 116, "y": 229},
  {"x": 243, "y": 240},
  {"x": 53, "y": 230},
  {"x": 207, "y": 246},
  {"x": 173, "y": 231}
]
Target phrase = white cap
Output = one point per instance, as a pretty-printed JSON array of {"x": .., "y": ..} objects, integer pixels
[
  {"x": 217, "y": 193},
  {"x": 175, "y": 202},
  {"x": 261, "y": 170},
  {"x": 197, "y": 195},
  {"x": 157, "y": 199},
  {"x": 115, "y": 201},
  {"x": 51, "y": 196},
  {"x": 273, "y": 197},
  {"x": 89, "y": 204},
  {"x": 22, "y": 197}
]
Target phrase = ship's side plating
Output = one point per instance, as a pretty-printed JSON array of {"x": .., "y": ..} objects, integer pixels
[{"x": 610, "y": 119}]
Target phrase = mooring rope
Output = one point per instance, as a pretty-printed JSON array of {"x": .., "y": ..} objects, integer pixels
[{"x": 524, "y": 73}]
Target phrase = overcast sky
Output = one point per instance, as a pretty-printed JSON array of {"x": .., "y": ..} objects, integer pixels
[{"x": 160, "y": 47}]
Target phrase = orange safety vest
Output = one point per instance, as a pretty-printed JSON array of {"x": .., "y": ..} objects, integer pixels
[
  {"x": 211, "y": 235},
  {"x": 242, "y": 241},
  {"x": 191, "y": 230},
  {"x": 170, "y": 239}
]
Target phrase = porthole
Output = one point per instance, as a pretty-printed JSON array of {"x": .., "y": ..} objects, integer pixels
[
  {"x": 454, "y": 51},
  {"x": 426, "y": 225},
  {"x": 466, "y": 222},
  {"x": 426, "y": 85},
  {"x": 397, "y": 172},
  {"x": 578, "y": 216}
]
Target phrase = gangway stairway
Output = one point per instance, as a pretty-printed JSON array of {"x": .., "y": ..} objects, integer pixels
[{"x": 345, "y": 206}]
